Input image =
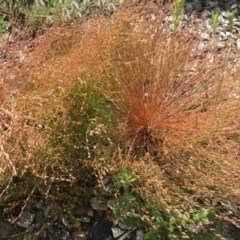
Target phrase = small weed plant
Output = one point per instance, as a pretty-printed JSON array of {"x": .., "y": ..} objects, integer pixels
[
  {"x": 12, "y": 11},
  {"x": 6, "y": 7},
  {"x": 168, "y": 225},
  {"x": 213, "y": 22},
  {"x": 2, "y": 25},
  {"x": 177, "y": 13},
  {"x": 127, "y": 201},
  {"x": 20, "y": 14},
  {"x": 231, "y": 21}
]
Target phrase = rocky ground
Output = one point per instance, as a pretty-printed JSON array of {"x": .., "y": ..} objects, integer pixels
[{"x": 94, "y": 219}]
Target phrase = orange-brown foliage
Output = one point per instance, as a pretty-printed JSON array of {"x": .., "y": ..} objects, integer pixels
[
  {"x": 178, "y": 105},
  {"x": 176, "y": 108}
]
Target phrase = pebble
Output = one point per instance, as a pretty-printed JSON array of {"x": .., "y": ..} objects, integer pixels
[
  {"x": 83, "y": 210},
  {"x": 117, "y": 232},
  {"x": 25, "y": 220},
  {"x": 127, "y": 234},
  {"x": 221, "y": 45},
  {"x": 98, "y": 204},
  {"x": 85, "y": 219},
  {"x": 201, "y": 46},
  {"x": 238, "y": 44},
  {"x": 223, "y": 36},
  {"x": 139, "y": 235},
  {"x": 39, "y": 204},
  {"x": 101, "y": 230},
  {"x": 5, "y": 229},
  {"x": 188, "y": 7},
  {"x": 206, "y": 14},
  {"x": 205, "y": 36},
  {"x": 64, "y": 220},
  {"x": 47, "y": 210},
  {"x": 39, "y": 217}
]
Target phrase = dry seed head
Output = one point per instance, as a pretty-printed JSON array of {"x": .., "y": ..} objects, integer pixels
[
  {"x": 39, "y": 3},
  {"x": 111, "y": 8},
  {"x": 72, "y": 13},
  {"x": 86, "y": 2},
  {"x": 74, "y": 6},
  {"x": 78, "y": 15},
  {"x": 49, "y": 20},
  {"x": 52, "y": 11},
  {"x": 101, "y": 3},
  {"x": 65, "y": 12},
  {"x": 68, "y": 18},
  {"x": 66, "y": 15}
]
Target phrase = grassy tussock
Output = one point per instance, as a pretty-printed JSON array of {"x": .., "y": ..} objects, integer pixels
[{"x": 126, "y": 91}]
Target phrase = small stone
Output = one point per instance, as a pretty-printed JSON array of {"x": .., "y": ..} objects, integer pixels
[
  {"x": 234, "y": 6},
  {"x": 153, "y": 17},
  {"x": 198, "y": 20},
  {"x": 225, "y": 14},
  {"x": 117, "y": 232},
  {"x": 198, "y": 6},
  {"x": 235, "y": 95},
  {"x": 102, "y": 230},
  {"x": 5, "y": 229},
  {"x": 127, "y": 234},
  {"x": 221, "y": 45},
  {"x": 223, "y": 35},
  {"x": 206, "y": 14},
  {"x": 78, "y": 236},
  {"x": 238, "y": 44},
  {"x": 55, "y": 236},
  {"x": 43, "y": 235},
  {"x": 212, "y": 4},
  {"x": 25, "y": 220},
  {"x": 228, "y": 34},
  {"x": 185, "y": 18},
  {"x": 85, "y": 219},
  {"x": 39, "y": 204},
  {"x": 39, "y": 217},
  {"x": 237, "y": 24},
  {"x": 168, "y": 19},
  {"x": 193, "y": 70},
  {"x": 98, "y": 204},
  {"x": 221, "y": 19},
  {"x": 48, "y": 208},
  {"x": 211, "y": 60},
  {"x": 106, "y": 180},
  {"x": 82, "y": 210},
  {"x": 64, "y": 220},
  {"x": 139, "y": 235},
  {"x": 205, "y": 36},
  {"x": 201, "y": 46},
  {"x": 188, "y": 8}
]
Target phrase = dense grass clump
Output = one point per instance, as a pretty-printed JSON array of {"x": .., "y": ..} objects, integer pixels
[{"x": 129, "y": 100}]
